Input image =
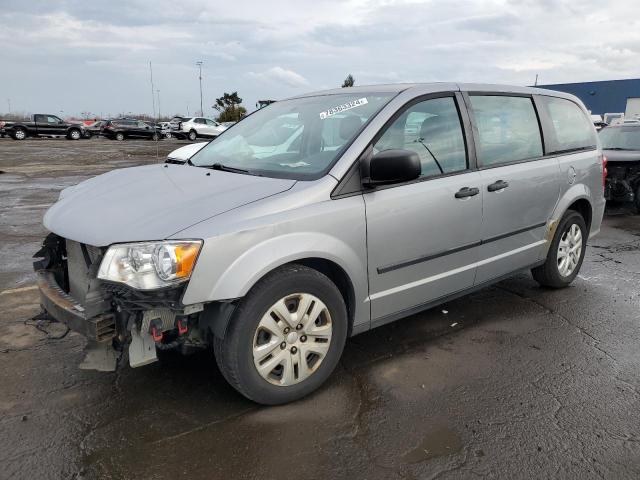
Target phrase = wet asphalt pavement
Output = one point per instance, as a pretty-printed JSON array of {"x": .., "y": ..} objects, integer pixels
[{"x": 512, "y": 382}]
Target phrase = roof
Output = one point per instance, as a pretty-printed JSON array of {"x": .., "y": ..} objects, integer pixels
[{"x": 435, "y": 87}]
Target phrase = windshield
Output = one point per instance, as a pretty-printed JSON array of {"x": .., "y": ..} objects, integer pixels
[
  {"x": 625, "y": 138},
  {"x": 298, "y": 139}
]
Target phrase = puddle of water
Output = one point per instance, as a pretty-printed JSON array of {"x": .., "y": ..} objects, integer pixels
[{"x": 437, "y": 443}]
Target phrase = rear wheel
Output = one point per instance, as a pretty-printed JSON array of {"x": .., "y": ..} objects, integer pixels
[
  {"x": 193, "y": 135},
  {"x": 155, "y": 137},
  {"x": 285, "y": 338},
  {"x": 566, "y": 253},
  {"x": 19, "y": 134},
  {"x": 119, "y": 136}
]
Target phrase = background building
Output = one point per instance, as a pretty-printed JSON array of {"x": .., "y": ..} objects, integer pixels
[{"x": 605, "y": 97}]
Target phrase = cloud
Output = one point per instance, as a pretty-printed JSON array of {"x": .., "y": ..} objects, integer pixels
[
  {"x": 279, "y": 74},
  {"x": 95, "y": 55}
]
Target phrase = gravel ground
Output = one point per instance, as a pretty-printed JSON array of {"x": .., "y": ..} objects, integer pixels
[{"x": 514, "y": 381}]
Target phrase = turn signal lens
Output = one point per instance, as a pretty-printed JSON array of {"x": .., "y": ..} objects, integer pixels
[{"x": 186, "y": 255}]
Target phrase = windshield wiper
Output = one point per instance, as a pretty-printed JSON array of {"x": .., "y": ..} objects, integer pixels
[
  {"x": 226, "y": 168},
  {"x": 617, "y": 148}
]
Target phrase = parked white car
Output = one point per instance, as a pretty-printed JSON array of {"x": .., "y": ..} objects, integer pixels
[
  {"x": 196, "y": 127},
  {"x": 182, "y": 154}
]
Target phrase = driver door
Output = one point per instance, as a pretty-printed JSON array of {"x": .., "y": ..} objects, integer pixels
[{"x": 423, "y": 236}]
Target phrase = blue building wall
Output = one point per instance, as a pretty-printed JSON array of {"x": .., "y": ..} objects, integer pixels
[{"x": 601, "y": 97}]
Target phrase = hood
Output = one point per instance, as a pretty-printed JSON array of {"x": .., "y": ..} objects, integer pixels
[
  {"x": 622, "y": 155},
  {"x": 185, "y": 153},
  {"x": 151, "y": 202}
]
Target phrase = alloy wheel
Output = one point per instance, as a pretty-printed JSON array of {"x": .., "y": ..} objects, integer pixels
[
  {"x": 569, "y": 250},
  {"x": 292, "y": 339}
]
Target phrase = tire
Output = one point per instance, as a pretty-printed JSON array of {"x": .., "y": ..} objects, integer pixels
[
  {"x": 636, "y": 202},
  {"x": 119, "y": 136},
  {"x": 74, "y": 134},
  {"x": 19, "y": 134},
  {"x": 193, "y": 135},
  {"x": 550, "y": 273},
  {"x": 234, "y": 353},
  {"x": 155, "y": 137}
]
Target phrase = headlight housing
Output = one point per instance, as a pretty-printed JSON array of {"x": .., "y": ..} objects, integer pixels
[{"x": 150, "y": 265}]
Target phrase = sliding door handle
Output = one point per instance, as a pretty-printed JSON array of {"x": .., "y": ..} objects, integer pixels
[
  {"x": 499, "y": 185},
  {"x": 465, "y": 192}
]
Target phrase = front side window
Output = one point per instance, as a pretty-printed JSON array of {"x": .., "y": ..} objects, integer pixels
[
  {"x": 572, "y": 129},
  {"x": 299, "y": 138},
  {"x": 508, "y": 129},
  {"x": 210, "y": 122},
  {"x": 52, "y": 119},
  {"x": 433, "y": 130}
]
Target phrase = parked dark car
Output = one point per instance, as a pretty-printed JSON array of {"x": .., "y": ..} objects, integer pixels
[
  {"x": 621, "y": 146},
  {"x": 122, "y": 129},
  {"x": 42, "y": 125}
]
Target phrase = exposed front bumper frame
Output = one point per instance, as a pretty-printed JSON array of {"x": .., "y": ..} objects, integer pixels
[{"x": 63, "y": 308}]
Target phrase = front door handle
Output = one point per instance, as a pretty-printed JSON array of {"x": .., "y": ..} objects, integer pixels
[
  {"x": 499, "y": 185},
  {"x": 465, "y": 192}
]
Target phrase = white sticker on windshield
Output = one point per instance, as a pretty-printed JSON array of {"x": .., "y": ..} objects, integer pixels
[
  {"x": 295, "y": 165},
  {"x": 343, "y": 107}
]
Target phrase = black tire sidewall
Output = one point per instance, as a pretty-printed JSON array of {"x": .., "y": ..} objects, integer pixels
[
  {"x": 240, "y": 333},
  {"x": 569, "y": 219}
]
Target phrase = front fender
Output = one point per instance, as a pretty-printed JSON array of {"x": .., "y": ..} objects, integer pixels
[{"x": 249, "y": 267}]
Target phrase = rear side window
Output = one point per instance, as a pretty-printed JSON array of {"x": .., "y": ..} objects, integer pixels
[
  {"x": 508, "y": 129},
  {"x": 570, "y": 127}
]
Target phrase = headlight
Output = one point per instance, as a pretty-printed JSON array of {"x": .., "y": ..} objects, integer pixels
[{"x": 149, "y": 265}]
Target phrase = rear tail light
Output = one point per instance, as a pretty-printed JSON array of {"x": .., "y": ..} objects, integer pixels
[
  {"x": 604, "y": 170},
  {"x": 2, "y": 124}
]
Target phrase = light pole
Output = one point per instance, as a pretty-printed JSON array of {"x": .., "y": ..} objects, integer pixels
[
  {"x": 158, "y": 92},
  {"x": 9, "y": 103},
  {"x": 199, "y": 64}
]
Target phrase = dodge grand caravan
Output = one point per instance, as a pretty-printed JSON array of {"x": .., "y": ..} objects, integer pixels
[{"x": 320, "y": 217}]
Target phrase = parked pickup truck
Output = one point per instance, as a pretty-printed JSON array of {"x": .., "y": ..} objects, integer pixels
[{"x": 41, "y": 125}]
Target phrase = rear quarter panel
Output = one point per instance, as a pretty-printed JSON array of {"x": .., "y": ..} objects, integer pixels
[{"x": 587, "y": 184}]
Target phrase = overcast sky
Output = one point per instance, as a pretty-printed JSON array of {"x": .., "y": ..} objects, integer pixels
[{"x": 75, "y": 56}]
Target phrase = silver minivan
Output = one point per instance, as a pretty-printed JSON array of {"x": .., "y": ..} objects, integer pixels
[{"x": 320, "y": 217}]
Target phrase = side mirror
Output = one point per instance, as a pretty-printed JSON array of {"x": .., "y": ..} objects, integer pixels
[{"x": 393, "y": 166}]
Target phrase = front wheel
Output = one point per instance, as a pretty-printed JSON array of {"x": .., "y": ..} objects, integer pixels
[
  {"x": 566, "y": 253},
  {"x": 286, "y": 336},
  {"x": 120, "y": 136},
  {"x": 193, "y": 135},
  {"x": 155, "y": 137}
]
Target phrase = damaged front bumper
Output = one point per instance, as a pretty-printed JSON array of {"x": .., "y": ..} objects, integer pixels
[
  {"x": 112, "y": 316},
  {"x": 63, "y": 308}
]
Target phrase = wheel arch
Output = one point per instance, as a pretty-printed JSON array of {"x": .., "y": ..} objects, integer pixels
[
  {"x": 578, "y": 198},
  {"x": 339, "y": 262},
  {"x": 583, "y": 207}
]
